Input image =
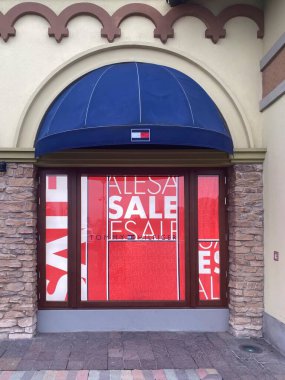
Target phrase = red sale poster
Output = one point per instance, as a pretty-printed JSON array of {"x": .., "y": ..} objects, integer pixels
[
  {"x": 208, "y": 238},
  {"x": 56, "y": 238},
  {"x": 133, "y": 238}
]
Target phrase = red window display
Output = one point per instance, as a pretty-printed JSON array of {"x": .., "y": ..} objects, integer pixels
[
  {"x": 132, "y": 238},
  {"x": 123, "y": 240},
  {"x": 208, "y": 238},
  {"x": 56, "y": 238}
]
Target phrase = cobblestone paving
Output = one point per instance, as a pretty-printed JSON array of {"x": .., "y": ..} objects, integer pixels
[{"x": 140, "y": 351}]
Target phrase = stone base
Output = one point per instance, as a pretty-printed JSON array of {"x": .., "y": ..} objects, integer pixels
[
  {"x": 246, "y": 258},
  {"x": 246, "y": 333},
  {"x": 18, "y": 245}
]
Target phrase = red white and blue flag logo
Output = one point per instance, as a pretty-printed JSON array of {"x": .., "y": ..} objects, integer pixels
[{"x": 138, "y": 135}]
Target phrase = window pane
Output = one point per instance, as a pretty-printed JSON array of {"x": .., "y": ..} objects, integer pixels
[
  {"x": 56, "y": 237},
  {"x": 208, "y": 238},
  {"x": 132, "y": 240}
]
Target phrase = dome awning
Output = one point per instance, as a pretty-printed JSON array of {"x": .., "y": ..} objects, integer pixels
[{"x": 133, "y": 104}]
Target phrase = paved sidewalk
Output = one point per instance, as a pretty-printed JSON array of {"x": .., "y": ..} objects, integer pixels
[{"x": 141, "y": 351}]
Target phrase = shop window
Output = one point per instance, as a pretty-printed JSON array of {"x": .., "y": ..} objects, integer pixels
[
  {"x": 145, "y": 239},
  {"x": 132, "y": 246},
  {"x": 208, "y": 238},
  {"x": 56, "y": 232}
]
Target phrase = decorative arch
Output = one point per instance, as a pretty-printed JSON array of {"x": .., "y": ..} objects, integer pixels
[
  {"x": 8, "y": 20},
  {"x": 84, "y": 63},
  {"x": 109, "y": 30},
  {"x": 111, "y": 23},
  {"x": 143, "y": 10}
]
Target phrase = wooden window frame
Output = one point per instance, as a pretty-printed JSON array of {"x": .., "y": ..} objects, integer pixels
[{"x": 191, "y": 239}]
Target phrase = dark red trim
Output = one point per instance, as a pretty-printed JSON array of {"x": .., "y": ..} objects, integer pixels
[
  {"x": 41, "y": 267},
  {"x": 108, "y": 30},
  {"x": 143, "y": 10},
  {"x": 73, "y": 280},
  {"x": 8, "y": 20},
  {"x": 193, "y": 238},
  {"x": 224, "y": 233},
  {"x": 194, "y": 10},
  {"x": 243, "y": 10},
  {"x": 111, "y": 23}
]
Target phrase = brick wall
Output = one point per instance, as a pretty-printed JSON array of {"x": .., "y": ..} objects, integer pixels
[
  {"x": 18, "y": 301},
  {"x": 246, "y": 275}
]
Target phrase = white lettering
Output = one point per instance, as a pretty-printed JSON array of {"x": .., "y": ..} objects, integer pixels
[
  {"x": 204, "y": 261},
  {"x": 152, "y": 212},
  {"x": 148, "y": 226},
  {"x": 202, "y": 289},
  {"x": 127, "y": 229},
  {"x": 112, "y": 230},
  {"x": 170, "y": 207},
  {"x": 217, "y": 261},
  {"x": 116, "y": 185},
  {"x": 173, "y": 229},
  {"x": 125, "y": 186},
  {"x": 167, "y": 184},
  {"x": 212, "y": 290},
  {"x": 135, "y": 208},
  {"x": 60, "y": 290},
  {"x": 136, "y": 183},
  {"x": 157, "y": 184},
  {"x": 115, "y": 207}
]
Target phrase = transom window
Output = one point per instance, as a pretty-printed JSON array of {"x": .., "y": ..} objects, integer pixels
[{"x": 127, "y": 238}]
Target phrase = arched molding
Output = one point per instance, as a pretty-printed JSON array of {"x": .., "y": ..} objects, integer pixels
[
  {"x": 108, "y": 30},
  {"x": 194, "y": 10},
  {"x": 73, "y": 69},
  {"x": 143, "y": 10},
  {"x": 242, "y": 10},
  {"x": 8, "y": 20},
  {"x": 111, "y": 23}
]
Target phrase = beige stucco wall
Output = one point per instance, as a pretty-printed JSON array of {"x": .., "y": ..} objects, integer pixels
[
  {"x": 274, "y": 204},
  {"x": 34, "y": 67},
  {"x": 274, "y": 177},
  {"x": 274, "y": 22}
]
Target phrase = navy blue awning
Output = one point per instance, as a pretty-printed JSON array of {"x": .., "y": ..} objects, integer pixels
[{"x": 130, "y": 104}]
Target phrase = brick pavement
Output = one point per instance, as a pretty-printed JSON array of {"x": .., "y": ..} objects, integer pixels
[{"x": 147, "y": 351}]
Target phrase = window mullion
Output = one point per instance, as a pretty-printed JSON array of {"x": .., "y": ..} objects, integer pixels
[
  {"x": 223, "y": 240},
  {"x": 73, "y": 227},
  {"x": 41, "y": 239},
  {"x": 193, "y": 238}
]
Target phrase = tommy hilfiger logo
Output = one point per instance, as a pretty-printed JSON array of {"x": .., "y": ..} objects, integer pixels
[{"x": 138, "y": 135}]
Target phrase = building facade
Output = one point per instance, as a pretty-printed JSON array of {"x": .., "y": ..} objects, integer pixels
[{"x": 141, "y": 176}]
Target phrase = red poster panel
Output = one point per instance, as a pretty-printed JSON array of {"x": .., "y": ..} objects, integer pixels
[
  {"x": 93, "y": 238},
  {"x": 56, "y": 238},
  {"x": 208, "y": 238},
  {"x": 143, "y": 271},
  {"x": 132, "y": 238}
]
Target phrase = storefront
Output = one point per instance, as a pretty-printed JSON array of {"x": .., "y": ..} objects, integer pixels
[
  {"x": 132, "y": 180},
  {"x": 129, "y": 238}
]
